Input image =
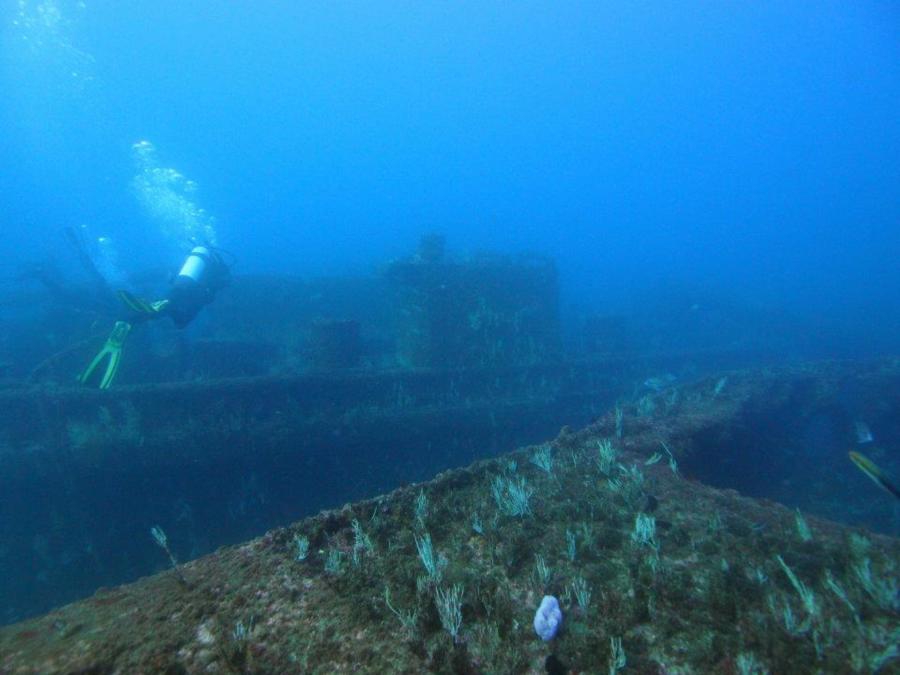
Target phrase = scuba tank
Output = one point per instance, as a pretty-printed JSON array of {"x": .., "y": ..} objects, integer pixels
[
  {"x": 197, "y": 265},
  {"x": 201, "y": 275}
]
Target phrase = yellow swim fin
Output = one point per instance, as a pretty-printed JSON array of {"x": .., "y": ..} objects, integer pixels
[
  {"x": 112, "y": 350},
  {"x": 139, "y": 305}
]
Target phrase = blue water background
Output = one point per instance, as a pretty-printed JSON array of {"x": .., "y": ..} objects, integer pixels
[{"x": 736, "y": 150}]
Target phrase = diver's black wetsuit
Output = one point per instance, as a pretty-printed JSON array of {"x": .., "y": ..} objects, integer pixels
[{"x": 203, "y": 274}]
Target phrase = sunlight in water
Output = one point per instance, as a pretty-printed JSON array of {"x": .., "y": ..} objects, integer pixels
[{"x": 47, "y": 29}]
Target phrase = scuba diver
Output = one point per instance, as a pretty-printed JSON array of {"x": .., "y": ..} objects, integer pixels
[{"x": 202, "y": 275}]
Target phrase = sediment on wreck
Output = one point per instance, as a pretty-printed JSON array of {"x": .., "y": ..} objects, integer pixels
[{"x": 651, "y": 566}]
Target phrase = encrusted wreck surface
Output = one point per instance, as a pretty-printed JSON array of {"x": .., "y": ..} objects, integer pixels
[
  {"x": 217, "y": 462},
  {"x": 653, "y": 570}
]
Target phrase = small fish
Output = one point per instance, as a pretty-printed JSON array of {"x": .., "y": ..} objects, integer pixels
[
  {"x": 868, "y": 467},
  {"x": 863, "y": 433},
  {"x": 659, "y": 383}
]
